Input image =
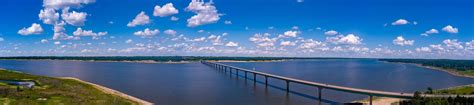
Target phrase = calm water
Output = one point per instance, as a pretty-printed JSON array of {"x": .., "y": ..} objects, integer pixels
[{"x": 195, "y": 83}]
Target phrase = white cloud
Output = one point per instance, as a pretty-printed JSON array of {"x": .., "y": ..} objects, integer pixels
[
  {"x": 44, "y": 41},
  {"x": 57, "y": 42},
  {"x": 310, "y": 44},
  {"x": 74, "y": 18},
  {"x": 206, "y": 13},
  {"x": 34, "y": 29},
  {"x": 170, "y": 32},
  {"x": 431, "y": 31},
  {"x": 348, "y": 39},
  {"x": 423, "y": 49},
  {"x": 291, "y": 33},
  {"x": 331, "y": 32},
  {"x": 173, "y": 18},
  {"x": 287, "y": 43},
  {"x": 80, "y": 32},
  {"x": 147, "y": 33},
  {"x": 60, "y": 32},
  {"x": 400, "y": 22},
  {"x": 48, "y": 16},
  {"x": 470, "y": 45},
  {"x": 450, "y": 29},
  {"x": 167, "y": 10},
  {"x": 232, "y": 44},
  {"x": 1, "y": 39},
  {"x": 129, "y": 41},
  {"x": 140, "y": 19},
  {"x": 402, "y": 42},
  {"x": 453, "y": 44},
  {"x": 201, "y": 39},
  {"x": 227, "y": 22},
  {"x": 299, "y": 1},
  {"x": 60, "y": 4}
]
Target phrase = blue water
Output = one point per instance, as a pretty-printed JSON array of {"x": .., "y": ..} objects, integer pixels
[{"x": 198, "y": 84}]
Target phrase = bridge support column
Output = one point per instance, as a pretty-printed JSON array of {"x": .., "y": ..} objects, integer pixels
[
  {"x": 245, "y": 75},
  {"x": 266, "y": 81},
  {"x": 370, "y": 99},
  {"x": 287, "y": 87},
  {"x": 319, "y": 95},
  {"x": 254, "y": 78}
]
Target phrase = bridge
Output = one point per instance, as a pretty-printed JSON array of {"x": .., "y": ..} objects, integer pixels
[{"x": 319, "y": 86}]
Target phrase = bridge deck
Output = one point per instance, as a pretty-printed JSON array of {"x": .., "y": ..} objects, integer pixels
[{"x": 334, "y": 87}]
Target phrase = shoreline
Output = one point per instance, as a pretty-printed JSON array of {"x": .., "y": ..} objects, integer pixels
[
  {"x": 450, "y": 71},
  {"x": 146, "y": 61},
  {"x": 111, "y": 91}
]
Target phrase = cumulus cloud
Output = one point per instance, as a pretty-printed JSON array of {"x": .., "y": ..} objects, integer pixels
[
  {"x": 331, "y": 32},
  {"x": 206, "y": 13},
  {"x": 57, "y": 42},
  {"x": 48, "y": 16},
  {"x": 350, "y": 39},
  {"x": 232, "y": 44},
  {"x": 44, "y": 41},
  {"x": 291, "y": 33},
  {"x": 450, "y": 29},
  {"x": 431, "y": 31},
  {"x": 1, "y": 39},
  {"x": 470, "y": 45},
  {"x": 167, "y": 10},
  {"x": 140, "y": 19},
  {"x": 60, "y": 32},
  {"x": 287, "y": 43},
  {"x": 147, "y": 33},
  {"x": 79, "y": 32},
  {"x": 453, "y": 44},
  {"x": 60, "y": 4},
  {"x": 423, "y": 49},
  {"x": 400, "y": 22},
  {"x": 227, "y": 22},
  {"x": 310, "y": 44},
  {"x": 74, "y": 18},
  {"x": 402, "y": 42},
  {"x": 34, "y": 29},
  {"x": 173, "y": 18},
  {"x": 170, "y": 32}
]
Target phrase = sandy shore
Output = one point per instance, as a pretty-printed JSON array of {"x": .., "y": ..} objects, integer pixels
[
  {"x": 111, "y": 91},
  {"x": 380, "y": 101}
]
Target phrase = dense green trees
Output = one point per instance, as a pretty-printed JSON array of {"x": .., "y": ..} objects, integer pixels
[{"x": 461, "y": 65}]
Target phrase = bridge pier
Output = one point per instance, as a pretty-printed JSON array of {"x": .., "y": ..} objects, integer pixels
[
  {"x": 370, "y": 99},
  {"x": 266, "y": 81},
  {"x": 245, "y": 75},
  {"x": 319, "y": 95},
  {"x": 254, "y": 78},
  {"x": 287, "y": 87}
]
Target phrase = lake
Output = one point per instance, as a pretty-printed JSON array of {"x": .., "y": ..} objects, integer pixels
[{"x": 198, "y": 84}]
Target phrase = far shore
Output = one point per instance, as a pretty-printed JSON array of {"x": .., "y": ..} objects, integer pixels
[
  {"x": 450, "y": 71},
  {"x": 147, "y": 61},
  {"x": 111, "y": 91}
]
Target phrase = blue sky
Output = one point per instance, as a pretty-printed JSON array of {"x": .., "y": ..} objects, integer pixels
[{"x": 306, "y": 28}]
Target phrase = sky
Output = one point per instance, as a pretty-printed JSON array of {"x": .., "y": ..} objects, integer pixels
[{"x": 289, "y": 28}]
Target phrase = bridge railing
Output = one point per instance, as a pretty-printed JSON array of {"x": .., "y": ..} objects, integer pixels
[{"x": 320, "y": 86}]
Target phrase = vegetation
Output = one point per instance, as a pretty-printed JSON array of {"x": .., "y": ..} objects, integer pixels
[
  {"x": 465, "y": 67},
  {"x": 154, "y": 58},
  {"x": 458, "y": 100},
  {"x": 53, "y": 91}
]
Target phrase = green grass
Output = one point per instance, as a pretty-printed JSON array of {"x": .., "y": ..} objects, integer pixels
[
  {"x": 463, "y": 90},
  {"x": 55, "y": 91}
]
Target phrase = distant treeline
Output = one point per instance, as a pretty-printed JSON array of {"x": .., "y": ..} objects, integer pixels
[
  {"x": 154, "y": 58},
  {"x": 461, "y": 65}
]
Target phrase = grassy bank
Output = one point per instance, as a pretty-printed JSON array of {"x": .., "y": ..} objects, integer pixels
[{"x": 50, "y": 90}]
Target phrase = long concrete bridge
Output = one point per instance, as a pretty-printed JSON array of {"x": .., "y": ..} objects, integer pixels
[{"x": 320, "y": 86}]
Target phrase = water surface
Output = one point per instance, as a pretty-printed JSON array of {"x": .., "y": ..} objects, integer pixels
[{"x": 197, "y": 84}]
